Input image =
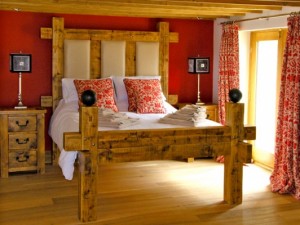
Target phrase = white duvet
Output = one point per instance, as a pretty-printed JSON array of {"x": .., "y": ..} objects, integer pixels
[{"x": 66, "y": 119}]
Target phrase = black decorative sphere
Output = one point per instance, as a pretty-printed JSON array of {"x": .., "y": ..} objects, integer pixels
[
  {"x": 88, "y": 97},
  {"x": 235, "y": 95}
]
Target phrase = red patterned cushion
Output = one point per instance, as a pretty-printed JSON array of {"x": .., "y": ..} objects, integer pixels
[
  {"x": 104, "y": 92},
  {"x": 144, "y": 96}
]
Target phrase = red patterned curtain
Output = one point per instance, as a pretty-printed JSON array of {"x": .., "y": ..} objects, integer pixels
[
  {"x": 286, "y": 175},
  {"x": 228, "y": 66}
]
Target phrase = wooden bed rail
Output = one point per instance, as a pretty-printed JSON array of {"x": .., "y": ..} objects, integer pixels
[{"x": 137, "y": 145}]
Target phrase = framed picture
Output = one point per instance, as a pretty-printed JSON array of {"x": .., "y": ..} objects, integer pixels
[
  {"x": 202, "y": 65},
  {"x": 20, "y": 63}
]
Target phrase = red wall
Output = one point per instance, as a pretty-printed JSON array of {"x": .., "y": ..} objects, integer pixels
[{"x": 20, "y": 31}]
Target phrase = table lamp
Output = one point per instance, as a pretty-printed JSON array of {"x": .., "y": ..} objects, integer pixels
[
  {"x": 197, "y": 65},
  {"x": 20, "y": 63}
]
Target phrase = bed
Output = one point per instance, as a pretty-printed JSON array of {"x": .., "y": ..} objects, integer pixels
[
  {"x": 66, "y": 119},
  {"x": 95, "y": 144}
]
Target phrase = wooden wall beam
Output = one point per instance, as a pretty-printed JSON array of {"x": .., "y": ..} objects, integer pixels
[{"x": 85, "y": 34}]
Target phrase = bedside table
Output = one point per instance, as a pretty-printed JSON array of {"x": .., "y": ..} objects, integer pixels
[
  {"x": 22, "y": 140},
  {"x": 211, "y": 110}
]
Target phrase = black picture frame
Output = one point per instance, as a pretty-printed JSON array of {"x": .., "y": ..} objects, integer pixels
[
  {"x": 202, "y": 65},
  {"x": 20, "y": 63}
]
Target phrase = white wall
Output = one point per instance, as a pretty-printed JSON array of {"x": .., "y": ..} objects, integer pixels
[{"x": 244, "y": 42}]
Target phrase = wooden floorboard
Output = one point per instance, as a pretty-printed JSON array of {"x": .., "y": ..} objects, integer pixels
[{"x": 147, "y": 193}]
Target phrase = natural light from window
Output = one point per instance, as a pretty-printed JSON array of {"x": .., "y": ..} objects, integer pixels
[{"x": 266, "y": 95}]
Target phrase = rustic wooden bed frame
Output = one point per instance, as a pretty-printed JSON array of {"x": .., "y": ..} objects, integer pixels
[
  {"x": 159, "y": 144},
  {"x": 136, "y": 145}
]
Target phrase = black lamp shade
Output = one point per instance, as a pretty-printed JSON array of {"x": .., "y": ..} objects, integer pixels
[{"x": 20, "y": 63}]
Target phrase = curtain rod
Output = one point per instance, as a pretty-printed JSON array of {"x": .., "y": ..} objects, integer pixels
[{"x": 262, "y": 17}]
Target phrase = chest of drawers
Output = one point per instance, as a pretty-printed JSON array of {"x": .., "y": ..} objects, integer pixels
[{"x": 22, "y": 140}]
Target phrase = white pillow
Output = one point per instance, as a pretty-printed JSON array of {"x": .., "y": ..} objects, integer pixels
[
  {"x": 169, "y": 108},
  {"x": 120, "y": 89},
  {"x": 122, "y": 106},
  {"x": 69, "y": 91}
]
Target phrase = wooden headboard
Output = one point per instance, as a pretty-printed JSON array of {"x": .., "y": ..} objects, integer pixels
[{"x": 58, "y": 33}]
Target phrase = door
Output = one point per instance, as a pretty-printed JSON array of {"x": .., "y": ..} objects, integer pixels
[{"x": 264, "y": 83}]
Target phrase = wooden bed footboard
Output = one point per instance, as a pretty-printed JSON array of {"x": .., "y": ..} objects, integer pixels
[{"x": 160, "y": 144}]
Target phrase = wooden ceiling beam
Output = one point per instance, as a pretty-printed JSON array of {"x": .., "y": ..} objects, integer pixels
[{"x": 185, "y": 9}]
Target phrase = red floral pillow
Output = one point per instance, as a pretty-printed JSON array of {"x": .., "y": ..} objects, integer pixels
[
  {"x": 104, "y": 92},
  {"x": 144, "y": 96}
]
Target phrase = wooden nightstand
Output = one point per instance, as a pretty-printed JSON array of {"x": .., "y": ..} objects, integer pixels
[
  {"x": 211, "y": 110},
  {"x": 22, "y": 140}
]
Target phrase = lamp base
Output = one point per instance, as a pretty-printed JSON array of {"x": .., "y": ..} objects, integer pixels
[
  {"x": 200, "y": 103},
  {"x": 20, "y": 103},
  {"x": 20, "y": 107}
]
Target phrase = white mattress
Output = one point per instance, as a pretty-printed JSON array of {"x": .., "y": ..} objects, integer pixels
[{"x": 66, "y": 119}]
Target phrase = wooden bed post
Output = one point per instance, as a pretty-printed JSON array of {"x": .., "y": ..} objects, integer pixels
[
  {"x": 235, "y": 156},
  {"x": 163, "y": 28},
  {"x": 88, "y": 164}
]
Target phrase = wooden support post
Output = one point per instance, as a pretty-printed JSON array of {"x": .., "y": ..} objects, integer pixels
[
  {"x": 58, "y": 58},
  {"x": 57, "y": 69},
  {"x": 164, "y": 55},
  {"x": 88, "y": 164},
  {"x": 233, "y": 167}
]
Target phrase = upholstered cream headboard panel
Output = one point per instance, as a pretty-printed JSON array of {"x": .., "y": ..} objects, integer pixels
[
  {"x": 147, "y": 58},
  {"x": 77, "y": 59},
  {"x": 112, "y": 58}
]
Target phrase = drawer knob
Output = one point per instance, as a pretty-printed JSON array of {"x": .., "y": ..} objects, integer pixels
[
  {"x": 22, "y": 157},
  {"x": 22, "y": 142},
  {"x": 22, "y": 125}
]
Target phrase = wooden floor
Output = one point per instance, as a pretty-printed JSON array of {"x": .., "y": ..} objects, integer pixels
[{"x": 147, "y": 193}]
